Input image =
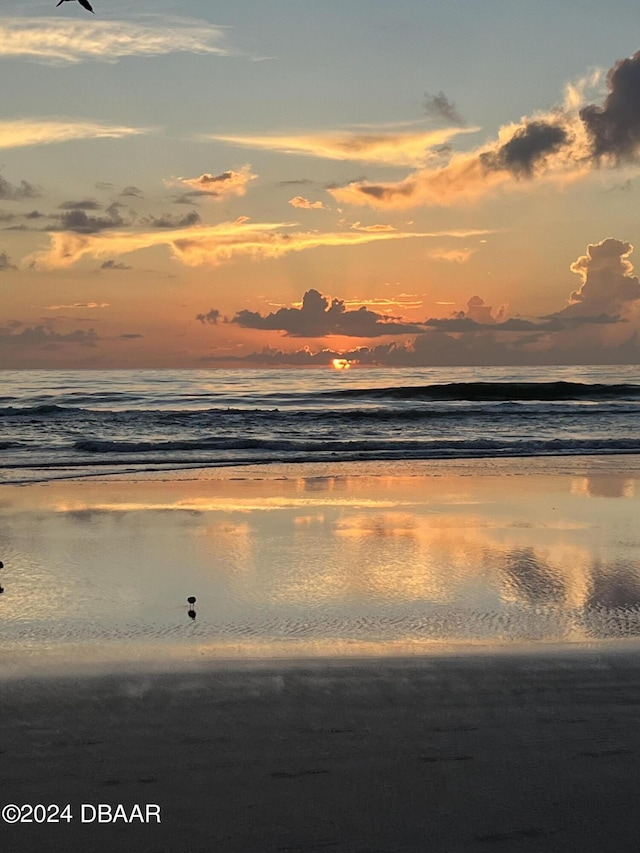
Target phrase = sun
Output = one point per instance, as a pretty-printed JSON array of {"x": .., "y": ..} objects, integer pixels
[{"x": 341, "y": 364}]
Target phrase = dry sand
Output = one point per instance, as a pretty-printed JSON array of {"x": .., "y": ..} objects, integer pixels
[{"x": 501, "y": 752}]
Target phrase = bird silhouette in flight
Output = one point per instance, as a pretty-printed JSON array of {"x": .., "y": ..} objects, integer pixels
[{"x": 84, "y": 3}]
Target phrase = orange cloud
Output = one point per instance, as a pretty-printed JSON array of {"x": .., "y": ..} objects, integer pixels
[
  {"x": 465, "y": 178},
  {"x": 409, "y": 148},
  {"x": 372, "y": 228},
  {"x": 214, "y": 244},
  {"x": 304, "y": 203},
  {"x": 223, "y": 185}
]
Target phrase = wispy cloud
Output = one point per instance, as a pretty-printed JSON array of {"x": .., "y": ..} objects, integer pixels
[
  {"x": 22, "y": 132},
  {"x": 64, "y": 41},
  {"x": 76, "y": 305},
  {"x": 454, "y": 256},
  {"x": 410, "y": 148},
  {"x": 12, "y": 192},
  {"x": 214, "y": 244}
]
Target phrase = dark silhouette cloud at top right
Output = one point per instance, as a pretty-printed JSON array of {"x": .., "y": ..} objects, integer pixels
[{"x": 614, "y": 127}]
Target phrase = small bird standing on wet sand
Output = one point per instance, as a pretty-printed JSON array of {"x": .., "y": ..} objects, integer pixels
[{"x": 84, "y": 3}]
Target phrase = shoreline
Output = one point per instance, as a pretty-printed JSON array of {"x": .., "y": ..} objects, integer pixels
[{"x": 617, "y": 463}]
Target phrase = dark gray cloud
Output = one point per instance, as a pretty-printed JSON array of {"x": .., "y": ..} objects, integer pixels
[
  {"x": 188, "y": 198},
  {"x": 299, "y": 182},
  {"x": 17, "y": 192},
  {"x": 439, "y": 349},
  {"x": 34, "y": 214},
  {"x": 271, "y": 356},
  {"x": 83, "y": 204},
  {"x": 383, "y": 192},
  {"x": 6, "y": 217},
  {"x": 320, "y": 316},
  {"x": 40, "y": 336},
  {"x": 480, "y": 317},
  {"x": 614, "y": 128},
  {"x": 211, "y": 317},
  {"x": 130, "y": 336},
  {"x": 5, "y": 263},
  {"x": 80, "y": 222},
  {"x": 127, "y": 191},
  {"x": 527, "y": 147},
  {"x": 440, "y": 107},
  {"x": 115, "y": 265},
  {"x": 168, "y": 220},
  {"x": 553, "y": 323}
]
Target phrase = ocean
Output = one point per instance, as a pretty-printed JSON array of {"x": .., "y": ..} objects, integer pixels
[{"x": 57, "y": 424}]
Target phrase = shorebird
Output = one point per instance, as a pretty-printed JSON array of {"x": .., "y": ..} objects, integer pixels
[
  {"x": 84, "y": 3},
  {"x": 191, "y": 599}
]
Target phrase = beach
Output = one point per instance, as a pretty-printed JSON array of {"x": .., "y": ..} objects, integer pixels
[
  {"x": 505, "y": 752},
  {"x": 437, "y": 657}
]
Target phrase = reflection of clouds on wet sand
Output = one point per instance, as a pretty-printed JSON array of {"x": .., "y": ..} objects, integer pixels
[
  {"x": 366, "y": 561},
  {"x": 531, "y": 579},
  {"x": 605, "y": 486}
]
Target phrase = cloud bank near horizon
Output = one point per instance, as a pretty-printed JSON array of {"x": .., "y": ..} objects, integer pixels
[{"x": 607, "y": 300}]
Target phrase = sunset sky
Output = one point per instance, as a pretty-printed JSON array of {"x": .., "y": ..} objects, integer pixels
[{"x": 282, "y": 182}]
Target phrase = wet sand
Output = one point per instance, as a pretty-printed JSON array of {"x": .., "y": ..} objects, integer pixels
[
  {"x": 304, "y": 561},
  {"x": 501, "y": 752}
]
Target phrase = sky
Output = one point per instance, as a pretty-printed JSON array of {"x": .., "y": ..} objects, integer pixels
[{"x": 280, "y": 182}]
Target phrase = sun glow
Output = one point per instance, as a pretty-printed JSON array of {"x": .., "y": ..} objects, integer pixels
[{"x": 341, "y": 364}]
